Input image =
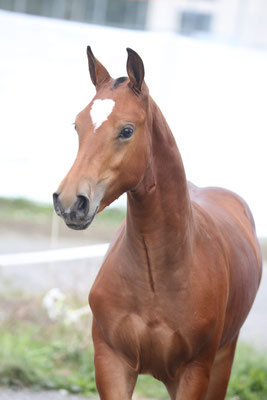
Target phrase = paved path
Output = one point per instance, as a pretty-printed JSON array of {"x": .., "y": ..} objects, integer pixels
[
  {"x": 8, "y": 394},
  {"x": 255, "y": 328},
  {"x": 25, "y": 394}
]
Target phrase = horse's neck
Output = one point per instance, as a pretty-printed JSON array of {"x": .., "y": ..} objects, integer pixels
[{"x": 159, "y": 210}]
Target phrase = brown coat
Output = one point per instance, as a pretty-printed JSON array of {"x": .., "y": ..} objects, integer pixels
[{"x": 182, "y": 273}]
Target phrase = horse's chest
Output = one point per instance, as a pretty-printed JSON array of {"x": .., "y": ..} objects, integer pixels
[
  {"x": 150, "y": 346},
  {"x": 154, "y": 333}
]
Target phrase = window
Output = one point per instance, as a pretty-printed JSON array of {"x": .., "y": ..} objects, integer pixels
[
  {"x": 130, "y": 13},
  {"x": 121, "y": 13},
  {"x": 194, "y": 22}
]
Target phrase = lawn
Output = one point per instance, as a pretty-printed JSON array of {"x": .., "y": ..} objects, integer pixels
[
  {"x": 18, "y": 209},
  {"x": 40, "y": 353}
]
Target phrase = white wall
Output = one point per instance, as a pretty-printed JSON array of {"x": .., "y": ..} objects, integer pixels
[
  {"x": 214, "y": 98},
  {"x": 236, "y": 21},
  {"x": 255, "y": 24},
  {"x": 227, "y": 21},
  {"x": 162, "y": 16}
]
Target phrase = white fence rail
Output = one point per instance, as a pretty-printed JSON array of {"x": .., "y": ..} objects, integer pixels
[{"x": 55, "y": 255}]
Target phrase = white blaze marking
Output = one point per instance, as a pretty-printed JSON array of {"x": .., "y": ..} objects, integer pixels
[{"x": 100, "y": 111}]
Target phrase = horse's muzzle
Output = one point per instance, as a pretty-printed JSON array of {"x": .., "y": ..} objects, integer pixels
[{"x": 76, "y": 217}]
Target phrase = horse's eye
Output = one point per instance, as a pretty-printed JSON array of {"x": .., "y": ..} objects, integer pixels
[{"x": 126, "y": 132}]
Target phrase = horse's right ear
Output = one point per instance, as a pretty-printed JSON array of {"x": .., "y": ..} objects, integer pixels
[
  {"x": 98, "y": 72},
  {"x": 135, "y": 70}
]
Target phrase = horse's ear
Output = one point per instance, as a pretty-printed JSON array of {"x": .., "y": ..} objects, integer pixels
[
  {"x": 135, "y": 70},
  {"x": 98, "y": 72}
]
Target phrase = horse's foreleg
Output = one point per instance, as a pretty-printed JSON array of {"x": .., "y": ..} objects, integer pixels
[
  {"x": 194, "y": 382},
  {"x": 114, "y": 378},
  {"x": 202, "y": 381},
  {"x": 220, "y": 372}
]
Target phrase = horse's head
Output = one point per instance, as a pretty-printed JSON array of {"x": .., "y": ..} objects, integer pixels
[{"x": 113, "y": 144}]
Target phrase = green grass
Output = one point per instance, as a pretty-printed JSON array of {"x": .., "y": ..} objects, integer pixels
[
  {"x": 31, "y": 358},
  {"x": 39, "y": 353},
  {"x": 249, "y": 376},
  {"x": 20, "y": 209},
  {"x": 55, "y": 357}
]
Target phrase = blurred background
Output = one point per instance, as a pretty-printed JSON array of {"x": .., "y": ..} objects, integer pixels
[{"x": 205, "y": 63}]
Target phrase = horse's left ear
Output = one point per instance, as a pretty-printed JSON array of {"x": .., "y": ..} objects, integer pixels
[
  {"x": 98, "y": 72},
  {"x": 135, "y": 70}
]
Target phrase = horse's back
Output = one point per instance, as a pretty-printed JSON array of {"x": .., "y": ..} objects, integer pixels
[
  {"x": 226, "y": 217},
  {"x": 229, "y": 212}
]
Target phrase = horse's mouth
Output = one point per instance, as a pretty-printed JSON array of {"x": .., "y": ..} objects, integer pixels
[
  {"x": 81, "y": 225},
  {"x": 78, "y": 227}
]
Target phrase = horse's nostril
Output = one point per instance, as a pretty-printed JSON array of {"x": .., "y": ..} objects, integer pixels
[
  {"x": 56, "y": 203},
  {"x": 55, "y": 197},
  {"x": 77, "y": 212},
  {"x": 82, "y": 205}
]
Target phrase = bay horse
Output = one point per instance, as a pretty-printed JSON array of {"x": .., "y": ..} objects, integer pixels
[{"x": 181, "y": 275}]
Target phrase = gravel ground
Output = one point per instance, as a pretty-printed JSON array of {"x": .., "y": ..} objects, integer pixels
[
  {"x": 25, "y": 394},
  {"x": 73, "y": 277},
  {"x": 255, "y": 328},
  {"x": 8, "y": 394}
]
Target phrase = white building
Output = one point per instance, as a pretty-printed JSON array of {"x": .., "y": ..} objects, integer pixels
[{"x": 238, "y": 21}]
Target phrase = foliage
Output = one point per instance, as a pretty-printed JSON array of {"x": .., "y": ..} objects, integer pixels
[
  {"x": 249, "y": 375},
  {"x": 46, "y": 358},
  {"x": 52, "y": 356},
  {"x": 17, "y": 209}
]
